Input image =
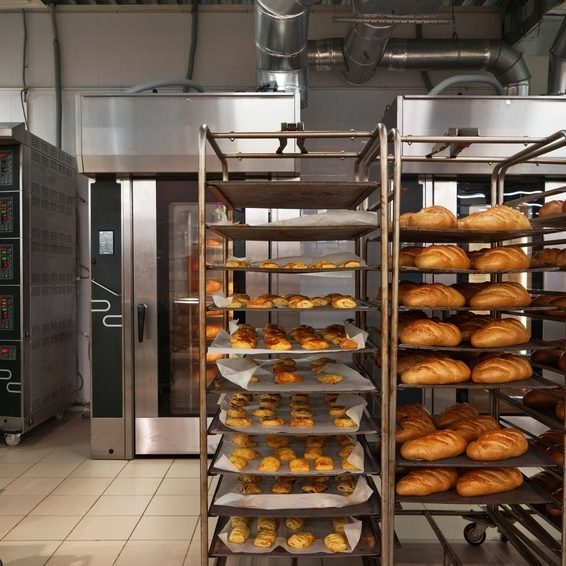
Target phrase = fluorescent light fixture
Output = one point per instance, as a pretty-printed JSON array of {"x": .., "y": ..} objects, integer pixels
[{"x": 21, "y": 4}]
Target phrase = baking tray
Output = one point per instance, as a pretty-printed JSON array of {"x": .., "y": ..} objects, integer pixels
[
  {"x": 547, "y": 418},
  {"x": 291, "y": 194},
  {"x": 367, "y": 426},
  {"x": 532, "y": 345},
  {"x": 536, "y": 382},
  {"x": 482, "y": 236},
  {"x": 291, "y": 233},
  {"x": 368, "y": 545},
  {"x": 538, "y": 314},
  {"x": 554, "y": 221},
  {"x": 289, "y": 271},
  {"x": 371, "y": 507},
  {"x": 363, "y": 306},
  {"x": 545, "y": 367},
  {"x": 447, "y": 271}
]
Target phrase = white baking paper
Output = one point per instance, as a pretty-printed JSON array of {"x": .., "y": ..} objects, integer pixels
[{"x": 334, "y": 218}]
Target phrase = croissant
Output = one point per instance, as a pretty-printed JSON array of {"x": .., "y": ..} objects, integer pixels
[
  {"x": 454, "y": 413},
  {"x": 300, "y": 303},
  {"x": 260, "y": 303},
  {"x": 426, "y": 481},
  {"x": 432, "y": 295},
  {"x": 498, "y": 217},
  {"x": 497, "y": 445},
  {"x": 432, "y": 217},
  {"x": 413, "y": 427},
  {"x": 500, "y": 295},
  {"x": 501, "y": 333},
  {"x": 501, "y": 259},
  {"x": 470, "y": 429},
  {"x": 430, "y": 333},
  {"x": 434, "y": 446},
  {"x": 485, "y": 481},
  {"x": 442, "y": 257},
  {"x": 434, "y": 371},
  {"x": 502, "y": 369}
]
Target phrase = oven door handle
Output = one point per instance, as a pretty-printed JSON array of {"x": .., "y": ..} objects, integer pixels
[{"x": 142, "y": 310}]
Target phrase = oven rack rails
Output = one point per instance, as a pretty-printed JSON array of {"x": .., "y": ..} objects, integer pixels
[
  {"x": 355, "y": 194},
  {"x": 501, "y": 512}
]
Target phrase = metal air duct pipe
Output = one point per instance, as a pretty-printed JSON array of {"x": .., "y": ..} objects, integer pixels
[
  {"x": 281, "y": 32},
  {"x": 557, "y": 63}
]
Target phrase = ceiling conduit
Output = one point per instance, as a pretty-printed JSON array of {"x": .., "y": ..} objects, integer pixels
[{"x": 557, "y": 63}]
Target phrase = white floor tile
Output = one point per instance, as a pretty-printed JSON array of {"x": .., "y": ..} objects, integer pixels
[
  {"x": 145, "y": 469},
  {"x": 18, "y": 504},
  {"x": 32, "y": 486},
  {"x": 104, "y": 528},
  {"x": 133, "y": 486},
  {"x": 82, "y": 486},
  {"x": 43, "y": 528},
  {"x": 211, "y": 528},
  {"x": 65, "y": 505},
  {"x": 193, "y": 556},
  {"x": 23, "y": 553},
  {"x": 99, "y": 468},
  {"x": 174, "y": 505},
  {"x": 164, "y": 528},
  {"x": 120, "y": 505},
  {"x": 150, "y": 553},
  {"x": 50, "y": 470},
  {"x": 5, "y": 481},
  {"x": 66, "y": 455},
  {"x": 81, "y": 553},
  {"x": 179, "y": 486},
  {"x": 13, "y": 469},
  {"x": 184, "y": 469},
  {"x": 21, "y": 454},
  {"x": 7, "y": 522}
]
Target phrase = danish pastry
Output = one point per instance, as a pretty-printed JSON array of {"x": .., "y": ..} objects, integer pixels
[
  {"x": 282, "y": 487},
  {"x": 346, "y": 451},
  {"x": 344, "y": 422},
  {"x": 261, "y": 412},
  {"x": 238, "y": 421},
  {"x": 314, "y": 486},
  {"x": 346, "y": 487},
  {"x": 239, "y": 535},
  {"x": 267, "y": 264},
  {"x": 295, "y": 265},
  {"x": 322, "y": 264},
  {"x": 260, "y": 303},
  {"x": 239, "y": 522},
  {"x": 247, "y": 453},
  {"x": 285, "y": 454},
  {"x": 338, "y": 524},
  {"x": 300, "y": 303},
  {"x": 343, "y": 302},
  {"x": 350, "y": 263},
  {"x": 312, "y": 453},
  {"x": 249, "y": 488},
  {"x": 243, "y": 440},
  {"x": 294, "y": 523},
  {"x": 236, "y": 413},
  {"x": 269, "y": 464},
  {"x": 336, "y": 542},
  {"x": 288, "y": 377},
  {"x": 266, "y": 524},
  {"x": 234, "y": 262},
  {"x": 319, "y": 301},
  {"x": 250, "y": 478},
  {"x": 302, "y": 422},
  {"x": 302, "y": 412},
  {"x": 301, "y": 540},
  {"x": 337, "y": 411},
  {"x": 330, "y": 378},
  {"x": 265, "y": 538},
  {"x": 271, "y": 421},
  {"x": 345, "y": 464},
  {"x": 299, "y": 465},
  {"x": 324, "y": 464},
  {"x": 314, "y": 441}
]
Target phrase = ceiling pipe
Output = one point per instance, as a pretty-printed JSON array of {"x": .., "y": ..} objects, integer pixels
[
  {"x": 557, "y": 63},
  {"x": 281, "y": 32}
]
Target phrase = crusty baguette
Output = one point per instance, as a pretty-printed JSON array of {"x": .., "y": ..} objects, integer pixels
[
  {"x": 426, "y": 481},
  {"x": 431, "y": 295},
  {"x": 454, "y": 413},
  {"x": 502, "y": 369},
  {"x": 431, "y": 217},
  {"x": 426, "y": 332},
  {"x": 473, "y": 427},
  {"x": 485, "y": 481},
  {"x": 434, "y": 446},
  {"x": 497, "y": 445},
  {"x": 500, "y": 295},
  {"x": 442, "y": 257},
  {"x": 501, "y": 333},
  {"x": 435, "y": 371},
  {"x": 501, "y": 259},
  {"x": 407, "y": 255},
  {"x": 498, "y": 217}
]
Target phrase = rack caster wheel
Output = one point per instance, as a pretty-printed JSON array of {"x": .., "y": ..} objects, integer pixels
[
  {"x": 474, "y": 534},
  {"x": 503, "y": 538},
  {"x": 60, "y": 415},
  {"x": 13, "y": 439}
]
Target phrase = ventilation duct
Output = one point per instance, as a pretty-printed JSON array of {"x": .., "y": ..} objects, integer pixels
[{"x": 557, "y": 63}]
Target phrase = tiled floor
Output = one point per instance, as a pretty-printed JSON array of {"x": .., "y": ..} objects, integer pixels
[{"x": 60, "y": 508}]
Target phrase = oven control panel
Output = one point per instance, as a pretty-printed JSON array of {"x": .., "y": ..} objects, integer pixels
[
  {"x": 6, "y": 262},
  {"x": 9, "y": 312}
]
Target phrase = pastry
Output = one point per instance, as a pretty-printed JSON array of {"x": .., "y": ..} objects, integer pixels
[
  {"x": 336, "y": 542},
  {"x": 294, "y": 523},
  {"x": 330, "y": 398},
  {"x": 266, "y": 524},
  {"x": 261, "y": 412},
  {"x": 500, "y": 295},
  {"x": 345, "y": 440},
  {"x": 299, "y": 465},
  {"x": 485, "y": 481},
  {"x": 236, "y": 413},
  {"x": 285, "y": 454},
  {"x": 269, "y": 464},
  {"x": 346, "y": 465},
  {"x": 346, "y": 487},
  {"x": 314, "y": 441},
  {"x": 329, "y": 378},
  {"x": 314, "y": 343},
  {"x": 323, "y": 464},
  {"x": 431, "y": 295},
  {"x": 551, "y": 208},
  {"x": 239, "y": 535},
  {"x": 434, "y": 446},
  {"x": 454, "y": 413},
  {"x": 295, "y": 265},
  {"x": 239, "y": 522},
  {"x": 260, "y": 303},
  {"x": 243, "y": 440},
  {"x": 498, "y": 217},
  {"x": 426, "y": 481},
  {"x": 271, "y": 421},
  {"x": 319, "y": 363},
  {"x": 247, "y": 453},
  {"x": 312, "y": 453},
  {"x": 543, "y": 398},
  {"x": 300, "y": 303},
  {"x": 471, "y": 428},
  {"x": 337, "y": 411},
  {"x": 344, "y": 422},
  {"x": 235, "y": 262},
  {"x": 302, "y": 412},
  {"x": 299, "y": 405},
  {"x": 300, "y": 397},
  {"x": 501, "y": 333},
  {"x": 249, "y": 488},
  {"x": 268, "y": 264},
  {"x": 288, "y": 377},
  {"x": 343, "y": 302},
  {"x": 501, "y": 259},
  {"x": 442, "y": 257},
  {"x": 427, "y": 332},
  {"x": 250, "y": 478},
  {"x": 338, "y": 524},
  {"x": 302, "y": 422},
  {"x": 319, "y": 301},
  {"x": 301, "y": 540},
  {"x": 434, "y": 371},
  {"x": 430, "y": 218},
  {"x": 212, "y": 243},
  {"x": 413, "y": 427},
  {"x": 265, "y": 538},
  {"x": 502, "y": 369},
  {"x": 497, "y": 445},
  {"x": 350, "y": 263},
  {"x": 238, "y": 421},
  {"x": 322, "y": 264},
  {"x": 346, "y": 451},
  {"x": 269, "y": 404},
  {"x": 282, "y": 487},
  {"x": 314, "y": 486}
]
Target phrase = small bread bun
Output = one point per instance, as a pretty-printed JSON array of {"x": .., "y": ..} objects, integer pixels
[
  {"x": 302, "y": 422},
  {"x": 271, "y": 421},
  {"x": 337, "y": 411},
  {"x": 240, "y": 422}
]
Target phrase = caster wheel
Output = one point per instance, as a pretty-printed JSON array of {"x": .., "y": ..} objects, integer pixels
[
  {"x": 60, "y": 415},
  {"x": 503, "y": 538},
  {"x": 13, "y": 439},
  {"x": 474, "y": 534}
]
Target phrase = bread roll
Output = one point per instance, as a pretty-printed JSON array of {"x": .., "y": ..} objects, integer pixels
[
  {"x": 434, "y": 446},
  {"x": 502, "y": 369},
  {"x": 430, "y": 218},
  {"x": 426, "y": 481},
  {"x": 497, "y": 445},
  {"x": 426, "y": 332},
  {"x": 432, "y": 295},
  {"x": 454, "y": 413},
  {"x": 435, "y": 371},
  {"x": 500, "y": 295},
  {"x": 501, "y": 259},
  {"x": 485, "y": 481},
  {"x": 498, "y": 217},
  {"x": 501, "y": 333},
  {"x": 413, "y": 427},
  {"x": 442, "y": 257},
  {"x": 545, "y": 399},
  {"x": 472, "y": 428},
  {"x": 551, "y": 208}
]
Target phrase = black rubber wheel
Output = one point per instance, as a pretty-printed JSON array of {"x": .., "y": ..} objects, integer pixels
[
  {"x": 502, "y": 537},
  {"x": 474, "y": 536}
]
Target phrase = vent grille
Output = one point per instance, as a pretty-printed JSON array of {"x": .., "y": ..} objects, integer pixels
[
  {"x": 52, "y": 200},
  {"x": 52, "y": 241},
  {"x": 50, "y": 333}
]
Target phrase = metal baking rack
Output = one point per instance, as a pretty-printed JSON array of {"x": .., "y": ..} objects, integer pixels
[
  {"x": 356, "y": 194},
  {"x": 504, "y": 510}
]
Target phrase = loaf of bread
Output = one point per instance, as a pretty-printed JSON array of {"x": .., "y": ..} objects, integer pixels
[
  {"x": 543, "y": 399},
  {"x": 432, "y": 295},
  {"x": 551, "y": 208},
  {"x": 408, "y": 255},
  {"x": 455, "y": 413},
  {"x": 496, "y": 445},
  {"x": 436, "y": 371},
  {"x": 546, "y": 357},
  {"x": 430, "y": 218},
  {"x": 498, "y": 217},
  {"x": 406, "y": 359},
  {"x": 501, "y": 295},
  {"x": 442, "y": 257},
  {"x": 559, "y": 302},
  {"x": 502, "y": 369},
  {"x": 468, "y": 290},
  {"x": 486, "y": 481},
  {"x": 434, "y": 446},
  {"x": 472, "y": 428},
  {"x": 562, "y": 361},
  {"x": 501, "y": 333},
  {"x": 426, "y": 332},
  {"x": 413, "y": 427},
  {"x": 548, "y": 257},
  {"x": 426, "y": 481},
  {"x": 413, "y": 410},
  {"x": 500, "y": 259},
  {"x": 559, "y": 410},
  {"x": 472, "y": 323},
  {"x": 561, "y": 259}
]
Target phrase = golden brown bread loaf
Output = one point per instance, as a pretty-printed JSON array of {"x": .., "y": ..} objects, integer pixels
[
  {"x": 472, "y": 323},
  {"x": 435, "y": 371},
  {"x": 406, "y": 360},
  {"x": 413, "y": 427},
  {"x": 548, "y": 257},
  {"x": 498, "y": 217},
  {"x": 559, "y": 411},
  {"x": 501, "y": 333},
  {"x": 408, "y": 254},
  {"x": 500, "y": 259},
  {"x": 561, "y": 259},
  {"x": 502, "y": 369},
  {"x": 485, "y": 481},
  {"x": 551, "y": 208},
  {"x": 442, "y": 257},
  {"x": 454, "y": 413},
  {"x": 432, "y": 295},
  {"x": 497, "y": 445},
  {"x": 426, "y": 332},
  {"x": 472, "y": 428},
  {"x": 500, "y": 295},
  {"x": 469, "y": 289},
  {"x": 434, "y": 446},
  {"x": 426, "y": 481},
  {"x": 430, "y": 218},
  {"x": 413, "y": 410},
  {"x": 543, "y": 398},
  {"x": 559, "y": 312}
]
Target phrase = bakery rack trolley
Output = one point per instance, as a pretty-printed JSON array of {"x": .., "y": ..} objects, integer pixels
[
  {"x": 353, "y": 194},
  {"x": 518, "y": 507}
]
